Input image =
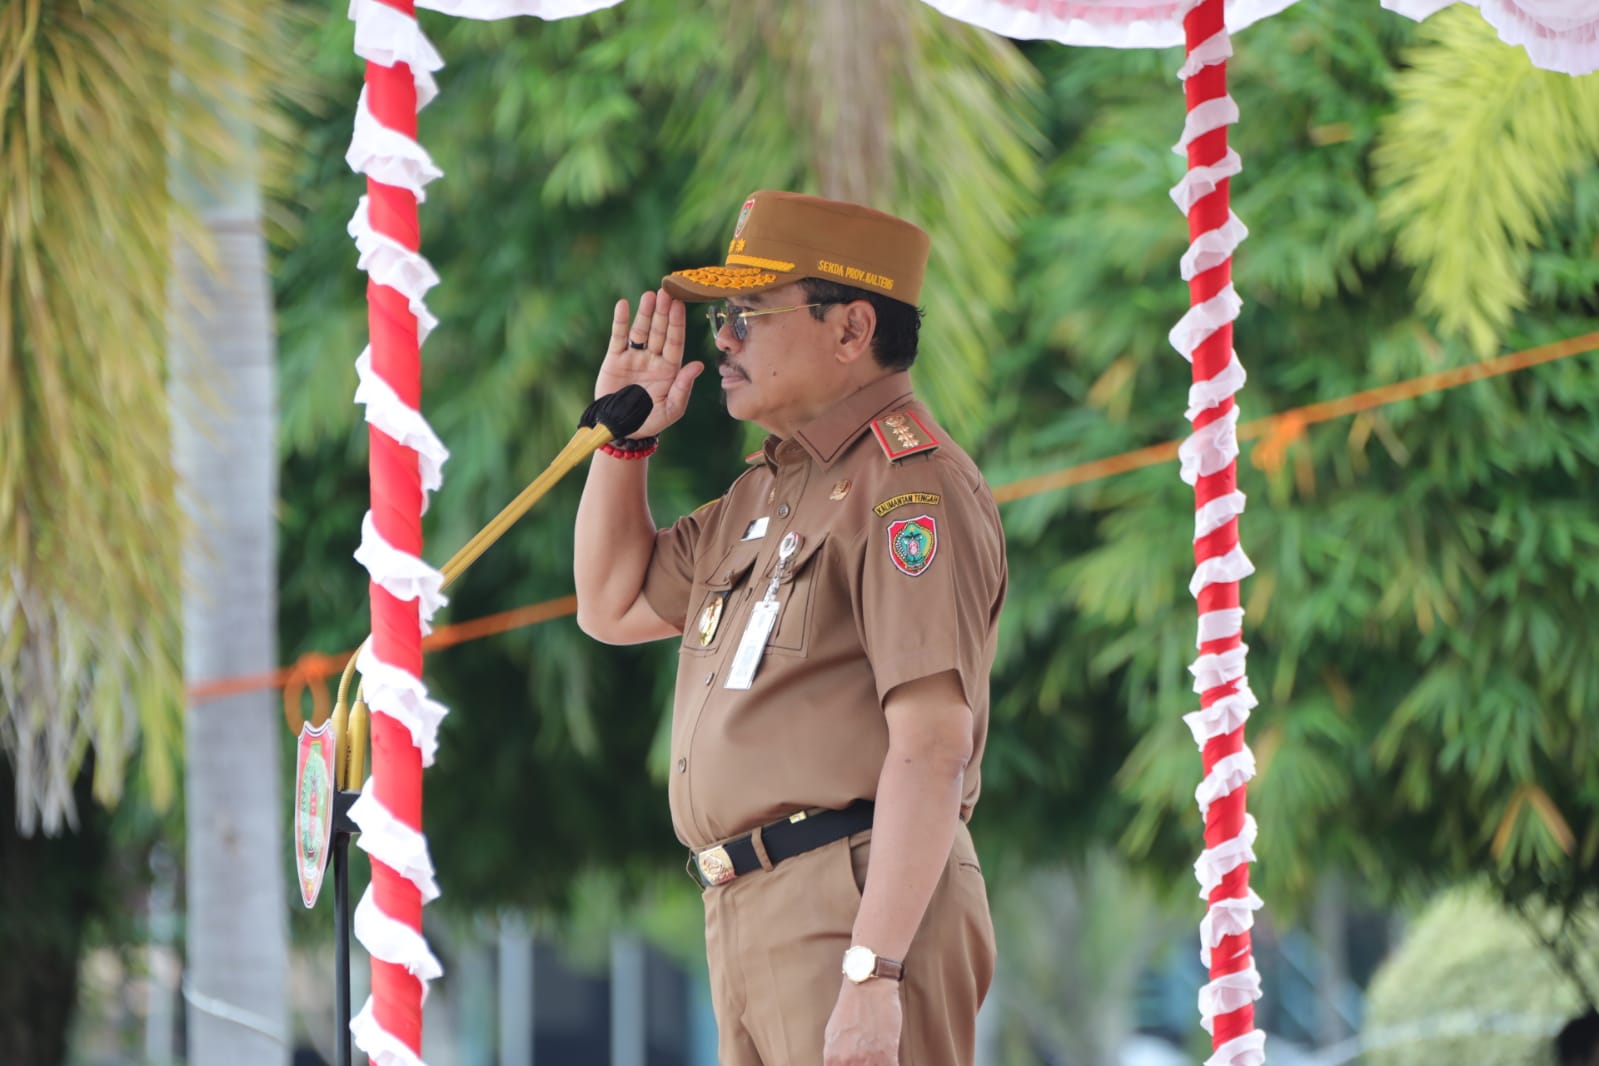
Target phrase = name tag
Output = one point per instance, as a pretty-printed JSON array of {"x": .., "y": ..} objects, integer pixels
[
  {"x": 752, "y": 645},
  {"x": 756, "y": 529}
]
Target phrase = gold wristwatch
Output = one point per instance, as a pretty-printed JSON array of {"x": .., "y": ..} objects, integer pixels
[{"x": 861, "y": 964}]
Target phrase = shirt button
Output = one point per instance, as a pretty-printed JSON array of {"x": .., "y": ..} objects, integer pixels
[
  {"x": 782, "y": 512},
  {"x": 682, "y": 766}
]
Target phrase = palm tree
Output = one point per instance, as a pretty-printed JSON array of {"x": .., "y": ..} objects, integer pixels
[
  {"x": 1478, "y": 166},
  {"x": 90, "y": 653},
  {"x": 224, "y": 430}
]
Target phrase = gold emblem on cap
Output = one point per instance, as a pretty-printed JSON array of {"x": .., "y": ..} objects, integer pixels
[
  {"x": 711, "y": 618},
  {"x": 840, "y": 490}
]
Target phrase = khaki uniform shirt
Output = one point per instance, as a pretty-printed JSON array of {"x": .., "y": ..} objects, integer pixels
[{"x": 899, "y": 575}]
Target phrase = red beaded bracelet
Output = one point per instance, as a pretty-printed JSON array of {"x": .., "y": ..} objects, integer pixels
[{"x": 642, "y": 448}]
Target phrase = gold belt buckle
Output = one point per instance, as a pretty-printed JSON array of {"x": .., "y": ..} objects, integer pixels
[{"x": 715, "y": 866}]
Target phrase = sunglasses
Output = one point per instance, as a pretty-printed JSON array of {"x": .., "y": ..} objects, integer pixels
[{"x": 738, "y": 316}]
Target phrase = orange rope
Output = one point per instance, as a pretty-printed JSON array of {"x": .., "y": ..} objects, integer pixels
[
  {"x": 311, "y": 670},
  {"x": 505, "y": 621}
]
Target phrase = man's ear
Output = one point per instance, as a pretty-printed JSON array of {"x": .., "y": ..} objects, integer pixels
[{"x": 858, "y": 327}]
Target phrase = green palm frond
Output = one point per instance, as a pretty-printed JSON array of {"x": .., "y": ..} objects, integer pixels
[
  {"x": 1480, "y": 157},
  {"x": 89, "y": 587}
]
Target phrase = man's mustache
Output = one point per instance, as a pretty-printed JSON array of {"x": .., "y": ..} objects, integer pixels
[{"x": 724, "y": 363}]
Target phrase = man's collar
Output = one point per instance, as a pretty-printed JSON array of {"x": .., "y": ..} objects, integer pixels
[{"x": 827, "y": 435}]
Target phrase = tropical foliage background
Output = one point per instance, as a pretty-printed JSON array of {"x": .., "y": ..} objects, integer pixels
[{"x": 1418, "y": 198}]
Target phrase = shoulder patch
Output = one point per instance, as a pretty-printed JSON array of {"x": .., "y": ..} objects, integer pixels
[
  {"x": 912, "y": 543},
  {"x": 902, "y": 434}
]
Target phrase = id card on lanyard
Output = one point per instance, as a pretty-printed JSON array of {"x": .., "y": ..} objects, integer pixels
[{"x": 763, "y": 616}]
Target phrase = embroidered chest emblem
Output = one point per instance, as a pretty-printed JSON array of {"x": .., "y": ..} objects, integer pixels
[{"x": 912, "y": 543}]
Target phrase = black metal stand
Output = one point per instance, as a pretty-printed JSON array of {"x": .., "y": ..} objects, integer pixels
[{"x": 343, "y": 829}]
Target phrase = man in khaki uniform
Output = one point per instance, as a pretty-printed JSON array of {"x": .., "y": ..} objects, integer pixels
[{"x": 837, "y": 611}]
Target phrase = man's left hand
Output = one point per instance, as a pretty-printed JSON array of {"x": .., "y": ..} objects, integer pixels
[{"x": 865, "y": 1025}]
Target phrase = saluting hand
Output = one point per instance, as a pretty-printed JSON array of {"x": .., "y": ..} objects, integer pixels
[
  {"x": 865, "y": 1026},
  {"x": 650, "y": 354}
]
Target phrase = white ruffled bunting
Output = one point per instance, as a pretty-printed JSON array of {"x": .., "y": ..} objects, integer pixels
[
  {"x": 1226, "y": 715},
  {"x": 393, "y": 843},
  {"x": 1199, "y": 182},
  {"x": 1216, "y": 863},
  {"x": 1226, "y": 994},
  {"x": 1213, "y": 248},
  {"x": 1203, "y": 319},
  {"x": 401, "y": 574},
  {"x": 1559, "y": 35},
  {"x": 1220, "y": 569},
  {"x": 499, "y": 9},
  {"x": 1219, "y": 668},
  {"x": 1099, "y": 23},
  {"x": 386, "y": 260},
  {"x": 1224, "y": 918},
  {"x": 1217, "y": 390},
  {"x": 1246, "y": 1050},
  {"x": 402, "y": 423},
  {"x": 382, "y": 1048},
  {"x": 1229, "y": 773},
  {"x": 1214, "y": 625},
  {"x": 402, "y": 696},
  {"x": 1217, "y": 513},
  {"x": 389, "y": 156},
  {"x": 395, "y": 942},
  {"x": 1206, "y": 117},
  {"x": 1210, "y": 449},
  {"x": 386, "y": 35}
]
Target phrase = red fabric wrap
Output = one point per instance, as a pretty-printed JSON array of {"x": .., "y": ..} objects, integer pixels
[
  {"x": 1225, "y": 818},
  {"x": 397, "y": 514}
]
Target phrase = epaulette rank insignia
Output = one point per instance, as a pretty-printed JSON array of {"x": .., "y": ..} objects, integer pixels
[
  {"x": 902, "y": 434},
  {"x": 756, "y": 458}
]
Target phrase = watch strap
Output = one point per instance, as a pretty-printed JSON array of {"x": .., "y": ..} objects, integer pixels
[{"x": 892, "y": 969}]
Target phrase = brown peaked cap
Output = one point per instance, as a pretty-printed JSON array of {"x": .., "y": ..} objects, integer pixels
[{"x": 781, "y": 237}]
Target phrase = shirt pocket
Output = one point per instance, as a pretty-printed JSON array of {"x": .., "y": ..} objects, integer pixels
[
  {"x": 797, "y": 595},
  {"x": 712, "y": 603}
]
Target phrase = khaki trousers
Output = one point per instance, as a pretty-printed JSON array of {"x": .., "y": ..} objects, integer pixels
[{"x": 775, "y": 940}]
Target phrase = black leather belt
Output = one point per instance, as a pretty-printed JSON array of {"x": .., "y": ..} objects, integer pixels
[{"x": 783, "y": 839}]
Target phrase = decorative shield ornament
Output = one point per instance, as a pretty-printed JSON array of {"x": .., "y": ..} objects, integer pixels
[
  {"x": 912, "y": 543},
  {"x": 313, "y": 808}
]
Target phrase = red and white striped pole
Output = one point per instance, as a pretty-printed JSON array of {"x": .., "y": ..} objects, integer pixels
[
  {"x": 1209, "y": 463},
  {"x": 406, "y": 462},
  {"x": 397, "y": 515},
  {"x": 404, "y": 465}
]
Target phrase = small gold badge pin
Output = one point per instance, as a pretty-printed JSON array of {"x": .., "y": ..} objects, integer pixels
[
  {"x": 840, "y": 490},
  {"x": 711, "y": 618}
]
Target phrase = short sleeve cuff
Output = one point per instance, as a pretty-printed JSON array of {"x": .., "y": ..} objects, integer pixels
[
  {"x": 913, "y": 666},
  {"x": 667, "y": 594}
]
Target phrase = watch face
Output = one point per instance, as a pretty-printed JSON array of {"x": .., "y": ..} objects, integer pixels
[{"x": 859, "y": 963}]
